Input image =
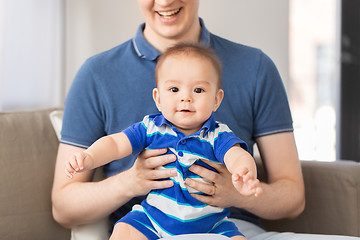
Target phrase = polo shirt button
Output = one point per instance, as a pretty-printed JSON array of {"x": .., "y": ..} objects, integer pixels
[
  {"x": 180, "y": 154},
  {"x": 183, "y": 141}
]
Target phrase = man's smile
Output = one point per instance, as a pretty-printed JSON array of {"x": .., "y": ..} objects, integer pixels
[{"x": 168, "y": 14}]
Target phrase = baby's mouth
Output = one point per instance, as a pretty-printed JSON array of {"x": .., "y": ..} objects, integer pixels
[
  {"x": 169, "y": 14},
  {"x": 185, "y": 110}
]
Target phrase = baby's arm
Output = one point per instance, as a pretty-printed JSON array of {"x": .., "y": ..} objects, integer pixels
[
  {"x": 242, "y": 166},
  {"x": 101, "y": 152}
]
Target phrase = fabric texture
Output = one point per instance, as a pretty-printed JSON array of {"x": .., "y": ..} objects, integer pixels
[
  {"x": 332, "y": 192},
  {"x": 173, "y": 211},
  {"x": 28, "y": 147}
]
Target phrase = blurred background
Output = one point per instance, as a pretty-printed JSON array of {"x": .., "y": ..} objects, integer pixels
[{"x": 44, "y": 42}]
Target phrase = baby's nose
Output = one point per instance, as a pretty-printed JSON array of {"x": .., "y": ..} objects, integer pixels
[{"x": 186, "y": 98}]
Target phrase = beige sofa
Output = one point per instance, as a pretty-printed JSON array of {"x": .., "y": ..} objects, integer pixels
[{"x": 28, "y": 150}]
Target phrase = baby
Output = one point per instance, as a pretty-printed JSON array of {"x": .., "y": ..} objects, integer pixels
[{"x": 188, "y": 79}]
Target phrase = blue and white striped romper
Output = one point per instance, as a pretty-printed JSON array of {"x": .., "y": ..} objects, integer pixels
[{"x": 173, "y": 211}]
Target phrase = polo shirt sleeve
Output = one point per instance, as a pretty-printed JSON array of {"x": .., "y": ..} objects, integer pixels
[
  {"x": 84, "y": 113},
  {"x": 224, "y": 140},
  {"x": 271, "y": 107},
  {"x": 137, "y": 135}
]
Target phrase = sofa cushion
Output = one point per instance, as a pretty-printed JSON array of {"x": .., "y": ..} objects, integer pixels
[
  {"x": 27, "y": 158},
  {"x": 332, "y": 200}
]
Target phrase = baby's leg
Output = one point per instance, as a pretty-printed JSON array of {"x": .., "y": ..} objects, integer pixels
[
  {"x": 123, "y": 231},
  {"x": 238, "y": 238}
]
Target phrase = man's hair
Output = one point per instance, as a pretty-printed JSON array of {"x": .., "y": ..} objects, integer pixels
[{"x": 193, "y": 50}]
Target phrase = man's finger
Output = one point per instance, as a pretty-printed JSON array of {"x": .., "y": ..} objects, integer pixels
[
  {"x": 204, "y": 172},
  {"x": 161, "y": 173},
  {"x": 215, "y": 165},
  {"x": 161, "y": 184},
  {"x": 148, "y": 153},
  {"x": 158, "y": 161},
  {"x": 205, "y": 199},
  {"x": 201, "y": 187}
]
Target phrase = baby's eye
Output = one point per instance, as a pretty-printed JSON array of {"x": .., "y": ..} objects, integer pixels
[
  {"x": 174, "y": 89},
  {"x": 198, "y": 90}
]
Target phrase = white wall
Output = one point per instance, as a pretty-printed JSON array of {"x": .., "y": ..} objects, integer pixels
[
  {"x": 93, "y": 26},
  {"x": 259, "y": 23}
]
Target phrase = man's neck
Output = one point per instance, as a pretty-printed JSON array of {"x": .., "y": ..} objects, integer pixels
[{"x": 162, "y": 43}]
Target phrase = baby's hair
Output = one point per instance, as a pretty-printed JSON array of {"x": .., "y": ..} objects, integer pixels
[{"x": 193, "y": 50}]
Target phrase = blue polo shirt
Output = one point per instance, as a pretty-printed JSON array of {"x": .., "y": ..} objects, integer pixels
[
  {"x": 113, "y": 90},
  {"x": 211, "y": 142},
  {"x": 173, "y": 211}
]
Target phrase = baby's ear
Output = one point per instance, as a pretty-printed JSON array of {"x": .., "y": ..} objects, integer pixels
[
  {"x": 218, "y": 99},
  {"x": 156, "y": 97}
]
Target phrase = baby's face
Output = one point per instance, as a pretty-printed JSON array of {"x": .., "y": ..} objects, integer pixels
[{"x": 187, "y": 91}]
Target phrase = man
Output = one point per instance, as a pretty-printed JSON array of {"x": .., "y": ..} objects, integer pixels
[{"x": 102, "y": 100}]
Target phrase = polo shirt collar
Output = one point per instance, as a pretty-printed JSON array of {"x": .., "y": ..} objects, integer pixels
[
  {"x": 209, "y": 125},
  {"x": 160, "y": 120},
  {"x": 142, "y": 47},
  {"x": 205, "y": 34},
  {"x": 145, "y": 50}
]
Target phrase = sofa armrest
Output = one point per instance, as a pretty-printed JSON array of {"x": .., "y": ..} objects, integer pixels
[
  {"x": 332, "y": 200},
  {"x": 28, "y": 146}
]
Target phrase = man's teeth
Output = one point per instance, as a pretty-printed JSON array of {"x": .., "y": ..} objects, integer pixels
[{"x": 169, "y": 13}]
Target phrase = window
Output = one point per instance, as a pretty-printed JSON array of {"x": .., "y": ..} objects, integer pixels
[
  {"x": 31, "y": 53},
  {"x": 314, "y": 76}
]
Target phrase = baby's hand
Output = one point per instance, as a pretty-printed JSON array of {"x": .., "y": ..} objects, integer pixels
[
  {"x": 246, "y": 184},
  {"x": 79, "y": 162}
]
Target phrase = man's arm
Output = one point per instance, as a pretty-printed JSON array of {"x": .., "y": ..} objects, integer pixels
[
  {"x": 285, "y": 189},
  {"x": 79, "y": 201},
  {"x": 283, "y": 196}
]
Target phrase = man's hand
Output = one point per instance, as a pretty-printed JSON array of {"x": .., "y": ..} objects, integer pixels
[
  {"x": 222, "y": 192},
  {"x": 143, "y": 176},
  {"x": 283, "y": 194}
]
